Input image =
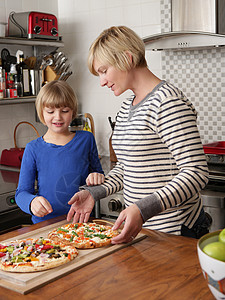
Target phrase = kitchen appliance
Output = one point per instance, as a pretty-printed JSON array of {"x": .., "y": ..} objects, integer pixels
[
  {"x": 213, "y": 196},
  {"x": 33, "y": 24},
  {"x": 11, "y": 216},
  {"x": 81, "y": 122},
  {"x": 111, "y": 206},
  {"x": 201, "y": 15},
  {"x": 193, "y": 24}
]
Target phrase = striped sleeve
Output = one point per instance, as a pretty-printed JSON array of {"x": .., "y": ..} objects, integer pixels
[{"x": 114, "y": 180}]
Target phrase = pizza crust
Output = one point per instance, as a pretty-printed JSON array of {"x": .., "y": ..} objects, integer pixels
[{"x": 20, "y": 268}]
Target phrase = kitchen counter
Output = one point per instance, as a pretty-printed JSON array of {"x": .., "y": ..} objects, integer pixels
[{"x": 161, "y": 266}]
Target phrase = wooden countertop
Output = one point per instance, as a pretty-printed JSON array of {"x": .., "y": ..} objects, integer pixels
[{"x": 161, "y": 266}]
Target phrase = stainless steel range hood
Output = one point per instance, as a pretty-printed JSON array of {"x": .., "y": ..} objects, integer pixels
[
  {"x": 181, "y": 40},
  {"x": 194, "y": 24}
]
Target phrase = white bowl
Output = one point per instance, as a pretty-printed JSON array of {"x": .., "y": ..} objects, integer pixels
[{"x": 212, "y": 269}]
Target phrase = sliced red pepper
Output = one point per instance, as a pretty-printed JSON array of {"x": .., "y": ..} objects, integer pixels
[
  {"x": 2, "y": 254},
  {"x": 45, "y": 247}
]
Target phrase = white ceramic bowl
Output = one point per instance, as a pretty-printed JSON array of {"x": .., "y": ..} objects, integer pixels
[{"x": 212, "y": 269}]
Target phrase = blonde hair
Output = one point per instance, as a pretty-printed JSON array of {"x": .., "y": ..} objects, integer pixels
[
  {"x": 56, "y": 94},
  {"x": 113, "y": 46}
]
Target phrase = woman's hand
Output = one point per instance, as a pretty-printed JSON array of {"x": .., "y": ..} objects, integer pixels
[
  {"x": 95, "y": 179},
  {"x": 40, "y": 207},
  {"x": 133, "y": 224},
  {"x": 82, "y": 204}
]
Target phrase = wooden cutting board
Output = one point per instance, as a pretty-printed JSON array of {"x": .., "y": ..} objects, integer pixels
[{"x": 26, "y": 282}]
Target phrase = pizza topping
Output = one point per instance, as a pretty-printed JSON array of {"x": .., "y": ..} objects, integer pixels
[
  {"x": 83, "y": 235},
  {"x": 36, "y": 251},
  {"x": 83, "y": 231},
  {"x": 62, "y": 230}
]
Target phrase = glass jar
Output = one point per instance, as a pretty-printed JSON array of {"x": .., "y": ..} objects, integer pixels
[{"x": 18, "y": 85}]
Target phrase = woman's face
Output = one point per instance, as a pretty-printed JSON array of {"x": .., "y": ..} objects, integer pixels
[{"x": 114, "y": 79}]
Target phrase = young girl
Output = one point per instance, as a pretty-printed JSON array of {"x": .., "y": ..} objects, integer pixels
[{"x": 60, "y": 161}]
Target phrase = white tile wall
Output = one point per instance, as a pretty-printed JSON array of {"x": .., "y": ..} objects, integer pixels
[{"x": 80, "y": 22}]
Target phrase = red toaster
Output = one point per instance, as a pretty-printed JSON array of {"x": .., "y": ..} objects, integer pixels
[{"x": 33, "y": 24}]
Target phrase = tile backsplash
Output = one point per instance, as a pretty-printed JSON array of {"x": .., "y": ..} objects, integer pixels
[
  {"x": 10, "y": 116},
  {"x": 200, "y": 74}
]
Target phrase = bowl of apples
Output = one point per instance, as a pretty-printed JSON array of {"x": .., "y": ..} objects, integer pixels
[{"x": 211, "y": 254}]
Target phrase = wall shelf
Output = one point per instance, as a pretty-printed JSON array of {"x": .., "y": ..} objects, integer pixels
[
  {"x": 39, "y": 46},
  {"x": 31, "y": 42},
  {"x": 7, "y": 101}
]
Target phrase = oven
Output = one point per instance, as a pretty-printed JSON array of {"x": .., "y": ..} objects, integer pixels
[
  {"x": 11, "y": 216},
  {"x": 213, "y": 196},
  {"x": 111, "y": 206}
]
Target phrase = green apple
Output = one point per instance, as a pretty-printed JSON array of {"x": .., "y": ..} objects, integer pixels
[
  {"x": 215, "y": 250},
  {"x": 222, "y": 236}
]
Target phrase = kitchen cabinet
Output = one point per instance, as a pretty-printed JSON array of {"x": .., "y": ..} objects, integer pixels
[{"x": 32, "y": 47}]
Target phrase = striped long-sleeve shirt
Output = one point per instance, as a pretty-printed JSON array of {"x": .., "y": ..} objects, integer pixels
[{"x": 160, "y": 159}]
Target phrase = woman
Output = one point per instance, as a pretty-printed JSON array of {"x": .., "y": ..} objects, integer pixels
[
  {"x": 161, "y": 163},
  {"x": 60, "y": 160}
]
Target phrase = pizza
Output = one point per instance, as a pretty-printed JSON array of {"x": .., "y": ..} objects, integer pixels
[
  {"x": 30, "y": 255},
  {"x": 83, "y": 235}
]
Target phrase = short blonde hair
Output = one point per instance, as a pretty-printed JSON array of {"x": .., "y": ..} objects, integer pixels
[
  {"x": 112, "y": 47},
  {"x": 56, "y": 93}
]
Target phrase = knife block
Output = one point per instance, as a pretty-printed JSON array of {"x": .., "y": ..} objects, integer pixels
[
  {"x": 112, "y": 153},
  {"x": 49, "y": 75}
]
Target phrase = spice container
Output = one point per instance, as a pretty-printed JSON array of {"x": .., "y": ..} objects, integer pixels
[
  {"x": 11, "y": 93},
  {"x": 1, "y": 94}
]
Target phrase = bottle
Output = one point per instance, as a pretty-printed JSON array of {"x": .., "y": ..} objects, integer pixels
[
  {"x": 18, "y": 85},
  {"x": 2, "y": 79},
  {"x": 10, "y": 77},
  {"x": 11, "y": 91},
  {"x": 24, "y": 72},
  {"x": 1, "y": 94}
]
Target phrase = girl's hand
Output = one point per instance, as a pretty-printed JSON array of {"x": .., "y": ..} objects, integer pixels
[
  {"x": 40, "y": 207},
  {"x": 82, "y": 204},
  {"x": 95, "y": 179}
]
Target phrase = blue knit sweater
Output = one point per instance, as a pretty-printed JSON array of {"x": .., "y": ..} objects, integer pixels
[{"x": 58, "y": 171}]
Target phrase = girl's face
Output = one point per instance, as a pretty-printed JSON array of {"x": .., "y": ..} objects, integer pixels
[
  {"x": 114, "y": 79},
  {"x": 58, "y": 119}
]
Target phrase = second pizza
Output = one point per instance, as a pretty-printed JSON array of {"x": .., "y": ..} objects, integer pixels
[{"x": 83, "y": 235}]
